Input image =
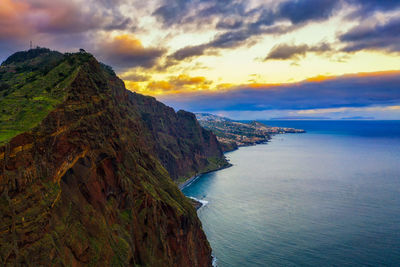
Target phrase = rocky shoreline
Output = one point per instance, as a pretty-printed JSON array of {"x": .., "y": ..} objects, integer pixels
[{"x": 194, "y": 178}]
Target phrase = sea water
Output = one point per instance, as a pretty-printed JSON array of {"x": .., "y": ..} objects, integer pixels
[{"x": 329, "y": 197}]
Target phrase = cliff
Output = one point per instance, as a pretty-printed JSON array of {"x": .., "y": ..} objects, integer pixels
[
  {"x": 84, "y": 169},
  {"x": 183, "y": 147}
]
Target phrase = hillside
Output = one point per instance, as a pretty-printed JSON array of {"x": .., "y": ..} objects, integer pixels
[
  {"x": 86, "y": 168},
  {"x": 233, "y": 134}
]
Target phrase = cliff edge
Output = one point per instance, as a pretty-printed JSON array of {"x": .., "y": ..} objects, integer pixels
[{"x": 86, "y": 167}]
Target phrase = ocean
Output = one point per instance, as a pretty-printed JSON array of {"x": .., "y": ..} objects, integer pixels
[{"x": 329, "y": 197}]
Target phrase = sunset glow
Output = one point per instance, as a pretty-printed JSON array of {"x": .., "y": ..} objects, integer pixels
[{"x": 172, "y": 49}]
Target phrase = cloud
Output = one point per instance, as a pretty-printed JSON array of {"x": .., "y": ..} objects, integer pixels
[
  {"x": 382, "y": 36},
  {"x": 70, "y": 24},
  {"x": 286, "y": 51},
  {"x": 367, "y": 7},
  {"x": 59, "y": 17},
  {"x": 175, "y": 85},
  {"x": 135, "y": 77},
  {"x": 189, "y": 51},
  {"x": 327, "y": 92},
  {"x": 163, "y": 86},
  {"x": 177, "y": 12},
  {"x": 12, "y": 19},
  {"x": 300, "y": 11},
  {"x": 185, "y": 79},
  {"x": 125, "y": 51},
  {"x": 233, "y": 14},
  {"x": 55, "y": 23},
  {"x": 242, "y": 23},
  {"x": 227, "y": 40},
  {"x": 230, "y": 23},
  {"x": 242, "y": 26},
  {"x": 230, "y": 39}
]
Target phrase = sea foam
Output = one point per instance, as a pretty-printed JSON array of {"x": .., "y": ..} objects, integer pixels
[
  {"x": 202, "y": 201},
  {"x": 214, "y": 260}
]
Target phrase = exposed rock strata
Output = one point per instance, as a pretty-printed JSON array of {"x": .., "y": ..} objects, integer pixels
[{"x": 87, "y": 185}]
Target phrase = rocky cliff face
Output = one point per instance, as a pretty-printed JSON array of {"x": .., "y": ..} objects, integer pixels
[
  {"x": 183, "y": 147},
  {"x": 89, "y": 183}
]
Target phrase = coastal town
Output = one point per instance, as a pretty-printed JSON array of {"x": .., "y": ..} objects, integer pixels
[{"x": 233, "y": 134}]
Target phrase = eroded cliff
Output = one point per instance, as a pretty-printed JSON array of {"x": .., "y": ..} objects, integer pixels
[{"x": 88, "y": 181}]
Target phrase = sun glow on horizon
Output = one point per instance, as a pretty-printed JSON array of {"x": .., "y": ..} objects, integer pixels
[{"x": 187, "y": 49}]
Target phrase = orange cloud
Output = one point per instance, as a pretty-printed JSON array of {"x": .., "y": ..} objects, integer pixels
[
  {"x": 185, "y": 84},
  {"x": 184, "y": 79},
  {"x": 127, "y": 51},
  {"x": 322, "y": 78},
  {"x": 160, "y": 85},
  {"x": 224, "y": 86},
  {"x": 125, "y": 44},
  {"x": 174, "y": 85},
  {"x": 319, "y": 78},
  {"x": 262, "y": 85}
]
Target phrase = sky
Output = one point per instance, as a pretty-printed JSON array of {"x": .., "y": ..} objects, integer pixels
[{"x": 244, "y": 59}]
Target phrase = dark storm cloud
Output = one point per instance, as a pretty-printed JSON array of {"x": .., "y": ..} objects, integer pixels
[
  {"x": 286, "y": 51},
  {"x": 379, "y": 37},
  {"x": 345, "y": 91}
]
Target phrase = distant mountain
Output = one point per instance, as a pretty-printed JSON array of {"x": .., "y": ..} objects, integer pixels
[
  {"x": 301, "y": 118},
  {"x": 233, "y": 134},
  {"x": 210, "y": 117},
  {"x": 358, "y": 118}
]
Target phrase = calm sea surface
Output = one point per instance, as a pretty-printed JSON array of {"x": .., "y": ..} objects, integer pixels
[{"x": 330, "y": 197}]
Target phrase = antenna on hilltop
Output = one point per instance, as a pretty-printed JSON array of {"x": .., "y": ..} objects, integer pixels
[{"x": 30, "y": 44}]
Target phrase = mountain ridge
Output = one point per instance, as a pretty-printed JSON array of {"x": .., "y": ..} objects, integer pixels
[{"x": 86, "y": 184}]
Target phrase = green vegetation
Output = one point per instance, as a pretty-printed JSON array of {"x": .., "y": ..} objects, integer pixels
[
  {"x": 32, "y": 84},
  {"x": 100, "y": 192}
]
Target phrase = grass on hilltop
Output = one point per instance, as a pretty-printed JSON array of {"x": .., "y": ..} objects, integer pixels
[{"x": 33, "y": 83}]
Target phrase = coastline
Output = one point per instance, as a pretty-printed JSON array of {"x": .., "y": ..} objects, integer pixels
[
  {"x": 263, "y": 142},
  {"x": 248, "y": 144},
  {"x": 197, "y": 176},
  {"x": 197, "y": 203},
  {"x": 230, "y": 194}
]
